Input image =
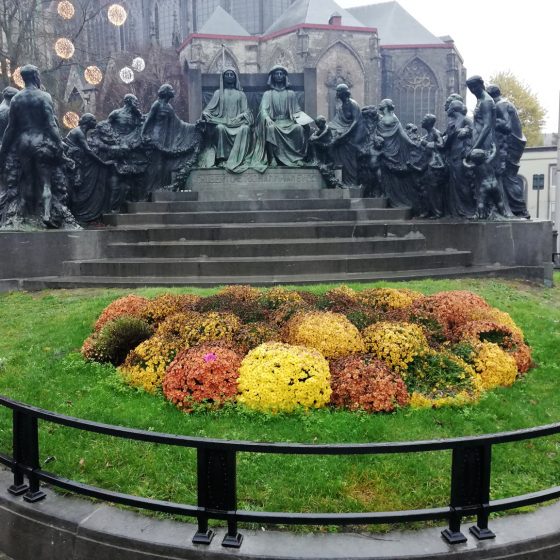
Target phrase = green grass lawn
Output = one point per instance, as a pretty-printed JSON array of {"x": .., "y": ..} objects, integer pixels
[{"x": 40, "y": 364}]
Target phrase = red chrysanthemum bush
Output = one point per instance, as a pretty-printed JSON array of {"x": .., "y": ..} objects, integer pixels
[
  {"x": 366, "y": 383},
  {"x": 132, "y": 306},
  {"x": 158, "y": 309},
  {"x": 203, "y": 374},
  {"x": 442, "y": 313}
]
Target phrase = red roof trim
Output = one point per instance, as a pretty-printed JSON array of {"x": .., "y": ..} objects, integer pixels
[
  {"x": 432, "y": 46},
  {"x": 279, "y": 33}
]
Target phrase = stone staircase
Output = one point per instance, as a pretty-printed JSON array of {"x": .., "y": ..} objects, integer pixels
[{"x": 260, "y": 237}]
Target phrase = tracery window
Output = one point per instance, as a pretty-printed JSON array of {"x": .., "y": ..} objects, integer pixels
[{"x": 415, "y": 92}]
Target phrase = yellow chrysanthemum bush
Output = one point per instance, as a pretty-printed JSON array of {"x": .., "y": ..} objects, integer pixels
[
  {"x": 244, "y": 301},
  {"x": 145, "y": 366},
  {"x": 330, "y": 333},
  {"x": 277, "y": 377},
  {"x": 166, "y": 305},
  {"x": 387, "y": 299},
  {"x": 496, "y": 367},
  {"x": 437, "y": 379},
  {"x": 397, "y": 344},
  {"x": 507, "y": 338}
]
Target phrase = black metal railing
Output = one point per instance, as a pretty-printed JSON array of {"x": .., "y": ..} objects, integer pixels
[{"x": 216, "y": 472}]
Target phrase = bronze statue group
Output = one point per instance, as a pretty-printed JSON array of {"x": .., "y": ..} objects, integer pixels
[{"x": 467, "y": 171}]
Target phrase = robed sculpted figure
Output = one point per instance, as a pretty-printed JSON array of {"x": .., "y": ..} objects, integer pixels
[
  {"x": 399, "y": 154},
  {"x": 280, "y": 139},
  {"x": 171, "y": 141},
  {"x": 231, "y": 120},
  {"x": 349, "y": 135}
]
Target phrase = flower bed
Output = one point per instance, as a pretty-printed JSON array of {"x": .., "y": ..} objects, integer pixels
[{"x": 278, "y": 350}]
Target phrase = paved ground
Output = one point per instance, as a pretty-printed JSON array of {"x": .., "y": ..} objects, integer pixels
[{"x": 4, "y": 557}]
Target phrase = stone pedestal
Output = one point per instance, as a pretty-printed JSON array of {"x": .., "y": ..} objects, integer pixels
[{"x": 299, "y": 178}]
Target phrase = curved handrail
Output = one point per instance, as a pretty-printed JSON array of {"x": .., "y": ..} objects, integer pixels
[
  {"x": 283, "y": 448},
  {"x": 217, "y": 479}
]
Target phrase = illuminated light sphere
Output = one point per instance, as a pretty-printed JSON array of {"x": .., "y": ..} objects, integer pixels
[
  {"x": 117, "y": 14},
  {"x": 138, "y": 64},
  {"x": 16, "y": 77},
  {"x": 93, "y": 75},
  {"x": 126, "y": 75},
  {"x": 64, "y": 48},
  {"x": 71, "y": 119},
  {"x": 66, "y": 9}
]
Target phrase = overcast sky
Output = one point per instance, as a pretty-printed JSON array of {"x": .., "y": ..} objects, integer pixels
[{"x": 495, "y": 35}]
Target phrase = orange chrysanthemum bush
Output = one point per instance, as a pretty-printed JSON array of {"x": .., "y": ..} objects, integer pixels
[
  {"x": 277, "y": 377},
  {"x": 166, "y": 305},
  {"x": 507, "y": 338},
  {"x": 397, "y": 344},
  {"x": 241, "y": 300},
  {"x": 442, "y": 313},
  {"x": 204, "y": 374},
  {"x": 132, "y": 306},
  {"x": 363, "y": 382},
  {"x": 330, "y": 333}
]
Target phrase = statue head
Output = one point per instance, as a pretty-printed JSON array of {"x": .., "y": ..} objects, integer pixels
[
  {"x": 494, "y": 91},
  {"x": 386, "y": 105},
  {"x": 8, "y": 93},
  {"x": 230, "y": 78},
  {"x": 342, "y": 92},
  {"x": 428, "y": 121},
  {"x": 87, "y": 121},
  {"x": 166, "y": 91},
  {"x": 131, "y": 100},
  {"x": 30, "y": 75},
  {"x": 476, "y": 85},
  {"x": 321, "y": 122},
  {"x": 453, "y": 97},
  {"x": 477, "y": 157},
  {"x": 278, "y": 76},
  {"x": 456, "y": 106}
]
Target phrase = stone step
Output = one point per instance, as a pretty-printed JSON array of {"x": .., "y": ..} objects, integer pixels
[
  {"x": 271, "y": 266},
  {"x": 259, "y": 248},
  {"x": 263, "y": 217},
  {"x": 257, "y": 205},
  {"x": 231, "y": 232},
  {"x": 69, "y": 282},
  {"x": 254, "y": 193}
]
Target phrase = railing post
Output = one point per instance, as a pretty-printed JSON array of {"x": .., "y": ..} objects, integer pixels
[
  {"x": 470, "y": 492},
  {"x": 217, "y": 491},
  {"x": 26, "y": 453}
]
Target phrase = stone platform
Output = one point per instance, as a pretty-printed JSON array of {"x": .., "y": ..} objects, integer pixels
[
  {"x": 264, "y": 234},
  {"x": 69, "y": 528},
  {"x": 300, "y": 178}
]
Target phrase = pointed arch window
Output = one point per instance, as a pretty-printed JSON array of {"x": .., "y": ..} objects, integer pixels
[{"x": 415, "y": 92}]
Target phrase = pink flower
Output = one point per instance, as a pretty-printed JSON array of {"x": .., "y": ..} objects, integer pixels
[{"x": 210, "y": 357}]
